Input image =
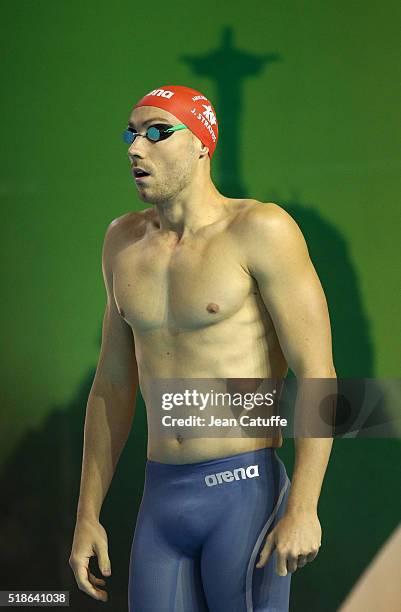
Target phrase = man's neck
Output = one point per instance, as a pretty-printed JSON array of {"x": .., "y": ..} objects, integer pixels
[{"x": 192, "y": 209}]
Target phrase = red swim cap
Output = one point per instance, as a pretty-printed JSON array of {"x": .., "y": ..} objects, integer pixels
[{"x": 190, "y": 107}]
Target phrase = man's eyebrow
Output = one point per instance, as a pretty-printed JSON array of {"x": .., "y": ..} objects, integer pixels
[{"x": 131, "y": 124}]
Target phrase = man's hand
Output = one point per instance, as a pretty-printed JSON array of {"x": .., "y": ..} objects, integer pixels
[
  {"x": 296, "y": 538},
  {"x": 90, "y": 539}
]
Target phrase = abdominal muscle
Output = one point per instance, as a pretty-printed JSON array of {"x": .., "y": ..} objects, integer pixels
[
  {"x": 196, "y": 312},
  {"x": 241, "y": 367},
  {"x": 178, "y": 449},
  {"x": 171, "y": 363},
  {"x": 183, "y": 444}
]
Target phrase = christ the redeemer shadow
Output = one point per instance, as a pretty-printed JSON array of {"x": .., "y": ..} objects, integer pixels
[{"x": 40, "y": 482}]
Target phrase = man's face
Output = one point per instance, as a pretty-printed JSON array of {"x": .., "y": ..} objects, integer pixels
[{"x": 170, "y": 162}]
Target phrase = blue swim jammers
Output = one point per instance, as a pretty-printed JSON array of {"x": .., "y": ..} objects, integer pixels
[{"x": 199, "y": 532}]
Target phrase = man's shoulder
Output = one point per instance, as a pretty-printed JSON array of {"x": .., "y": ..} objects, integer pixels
[
  {"x": 130, "y": 219},
  {"x": 268, "y": 233},
  {"x": 134, "y": 222},
  {"x": 261, "y": 217}
]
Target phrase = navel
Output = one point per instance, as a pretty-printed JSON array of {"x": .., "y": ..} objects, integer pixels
[{"x": 212, "y": 308}]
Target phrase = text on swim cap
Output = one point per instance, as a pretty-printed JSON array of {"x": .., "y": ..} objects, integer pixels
[
  {"x": 204, "y": 121},
  {"x": 163, "y": 93}
]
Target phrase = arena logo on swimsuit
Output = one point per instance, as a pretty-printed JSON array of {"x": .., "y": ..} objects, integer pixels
[{"x": 239, "y": 473}]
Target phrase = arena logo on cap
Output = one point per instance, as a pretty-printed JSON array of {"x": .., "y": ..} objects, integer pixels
[{"x": 163, "y": 93}]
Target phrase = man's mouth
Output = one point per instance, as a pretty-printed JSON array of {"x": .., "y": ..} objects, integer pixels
[{"x": 139, "y": 173}]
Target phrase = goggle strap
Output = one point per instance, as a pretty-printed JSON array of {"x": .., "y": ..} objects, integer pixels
[{"x": 180, "y": 126}]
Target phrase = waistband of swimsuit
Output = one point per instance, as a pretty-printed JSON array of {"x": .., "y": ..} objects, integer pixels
[{"x": 237, "y": 460}]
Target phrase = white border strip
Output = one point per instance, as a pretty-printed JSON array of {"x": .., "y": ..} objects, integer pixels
[{"x": 249, "y": 573}]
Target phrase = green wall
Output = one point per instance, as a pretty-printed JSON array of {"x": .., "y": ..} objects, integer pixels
[{"x": 308, "y": 107}]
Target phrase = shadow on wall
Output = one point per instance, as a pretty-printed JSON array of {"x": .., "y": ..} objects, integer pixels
[
  {"x": 40, "y": 487},
  {"x": 40, "y": 482},
  {"x": 228, "y": 67}
]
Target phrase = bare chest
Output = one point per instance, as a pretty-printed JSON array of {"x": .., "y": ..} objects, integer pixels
[{"x": 191, "y": 284}]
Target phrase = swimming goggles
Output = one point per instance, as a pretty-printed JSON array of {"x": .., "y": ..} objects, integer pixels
[{"x": 154, "y": 133}]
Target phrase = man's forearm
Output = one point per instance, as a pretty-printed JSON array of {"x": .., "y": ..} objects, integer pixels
[
  {"x": 108, "y": 422},
  {"x": 315, "y": 399},
  {"x": 311, "y": 459}
]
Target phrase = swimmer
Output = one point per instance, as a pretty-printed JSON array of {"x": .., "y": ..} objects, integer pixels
[{"x": 200, "y": 285}]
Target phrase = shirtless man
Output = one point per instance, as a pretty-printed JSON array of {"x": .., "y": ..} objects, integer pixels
[{"x": 202, "y": 286}]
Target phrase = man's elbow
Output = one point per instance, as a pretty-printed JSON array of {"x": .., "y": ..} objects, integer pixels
[{"x": 326, "y": 370}]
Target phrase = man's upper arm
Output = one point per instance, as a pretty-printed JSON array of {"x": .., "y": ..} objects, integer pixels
[
  {"x": 278, "y": 259},
  {"x": 117, "y": 363}
]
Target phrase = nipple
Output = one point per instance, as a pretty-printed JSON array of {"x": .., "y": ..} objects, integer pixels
[{"x": 212, "y": 308}]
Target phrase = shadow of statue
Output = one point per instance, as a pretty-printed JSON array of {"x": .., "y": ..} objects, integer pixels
[{"x": 40, "y": 481}]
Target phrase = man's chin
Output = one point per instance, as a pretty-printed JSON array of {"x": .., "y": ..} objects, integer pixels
[{"x": 145, "y": 196}]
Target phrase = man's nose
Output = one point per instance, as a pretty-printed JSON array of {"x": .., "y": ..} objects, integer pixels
[{"x": 138, "y": 146}]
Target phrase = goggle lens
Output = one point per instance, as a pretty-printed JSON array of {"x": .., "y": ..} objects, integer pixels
[
  {"x": 153, "y": 133},
  {"x": 128, "y": 137}
]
